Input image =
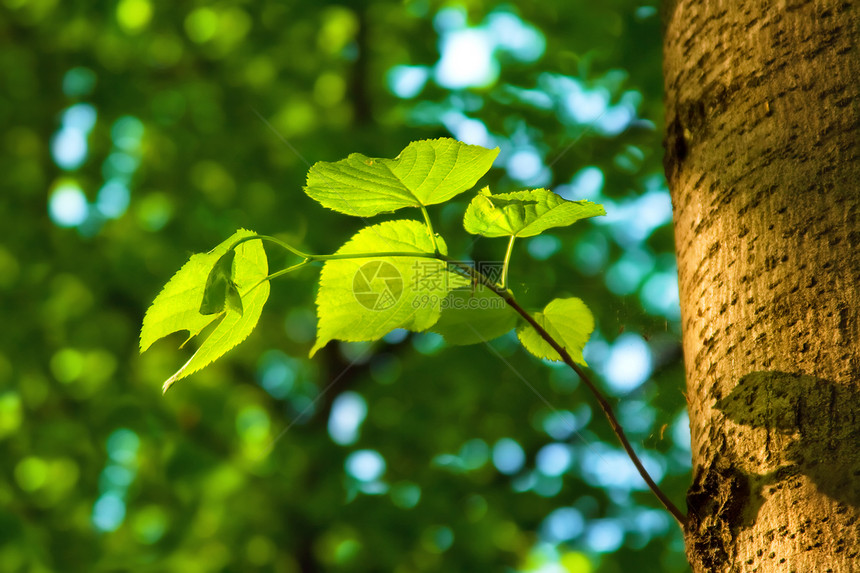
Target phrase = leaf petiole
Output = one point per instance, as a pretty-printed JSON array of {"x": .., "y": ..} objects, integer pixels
[
  {"x": 309, "y": 259},
  {"x": 280, "y": 243},
  {"x": 346, "y": 256},
  {"x": 276, "y": 274},
  {"x": 430, "y": 228},
  {"x": 507, "y": 262}
]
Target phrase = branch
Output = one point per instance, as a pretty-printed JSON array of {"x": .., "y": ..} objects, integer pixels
[{"x": 508, "y": 297}]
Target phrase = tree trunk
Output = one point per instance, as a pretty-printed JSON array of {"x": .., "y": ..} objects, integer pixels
[{"x": 762, "y": 160}]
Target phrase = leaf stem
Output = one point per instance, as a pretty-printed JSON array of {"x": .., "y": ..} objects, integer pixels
[
  {"x": 308, "y": 259},
  {"x": 430, "y": 228},
  {"x": 507, "y": 262},
  {"x": 276, "y": 274},
  {"x": 605, "y": 406},
  {"x": 280, "y": 243},
  {"x": 346, "y": 256}
]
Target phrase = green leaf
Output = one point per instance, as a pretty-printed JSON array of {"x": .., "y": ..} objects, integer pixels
[
  {"x": 524, "y": 213},
  {"x": 220, "y": 289},
  {"x": 470, "y": 316},
  {"x": 177, "y": 306},
  {"x": 425, "y": 173},
  {"x": 364, "y": 299},
  {"x": 568, "y": 321}
]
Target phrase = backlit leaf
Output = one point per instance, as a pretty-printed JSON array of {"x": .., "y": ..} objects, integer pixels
[
  {"x": 177, "y": 306},
  {"x": 366, "y": 298},
  {"x": 524, "y": 213},
  {"x": 568, "y": 321},
  {"x": 425, "y": 173}
]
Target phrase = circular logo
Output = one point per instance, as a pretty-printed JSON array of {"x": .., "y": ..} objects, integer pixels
[{"x": 377, "y": 285}]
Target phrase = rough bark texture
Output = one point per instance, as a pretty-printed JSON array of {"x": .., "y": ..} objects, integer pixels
[{"x": 762, "y": 160}]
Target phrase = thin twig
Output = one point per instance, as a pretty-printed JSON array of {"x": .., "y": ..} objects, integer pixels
[
  {"x": 508, "y": 297},
  {"x": 607, "y": 410}
]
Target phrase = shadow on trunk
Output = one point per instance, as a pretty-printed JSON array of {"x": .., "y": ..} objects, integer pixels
[{"x": 823, "y": 418}]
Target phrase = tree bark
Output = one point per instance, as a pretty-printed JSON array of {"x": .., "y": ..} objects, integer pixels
[{"x": 762, "y": 161}]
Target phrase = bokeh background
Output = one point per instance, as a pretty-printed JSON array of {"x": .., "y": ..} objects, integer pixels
[{"x": 137, "y": 132}]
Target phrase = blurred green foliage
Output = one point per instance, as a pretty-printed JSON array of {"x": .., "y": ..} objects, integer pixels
[{"x": 138, "y": 132}]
